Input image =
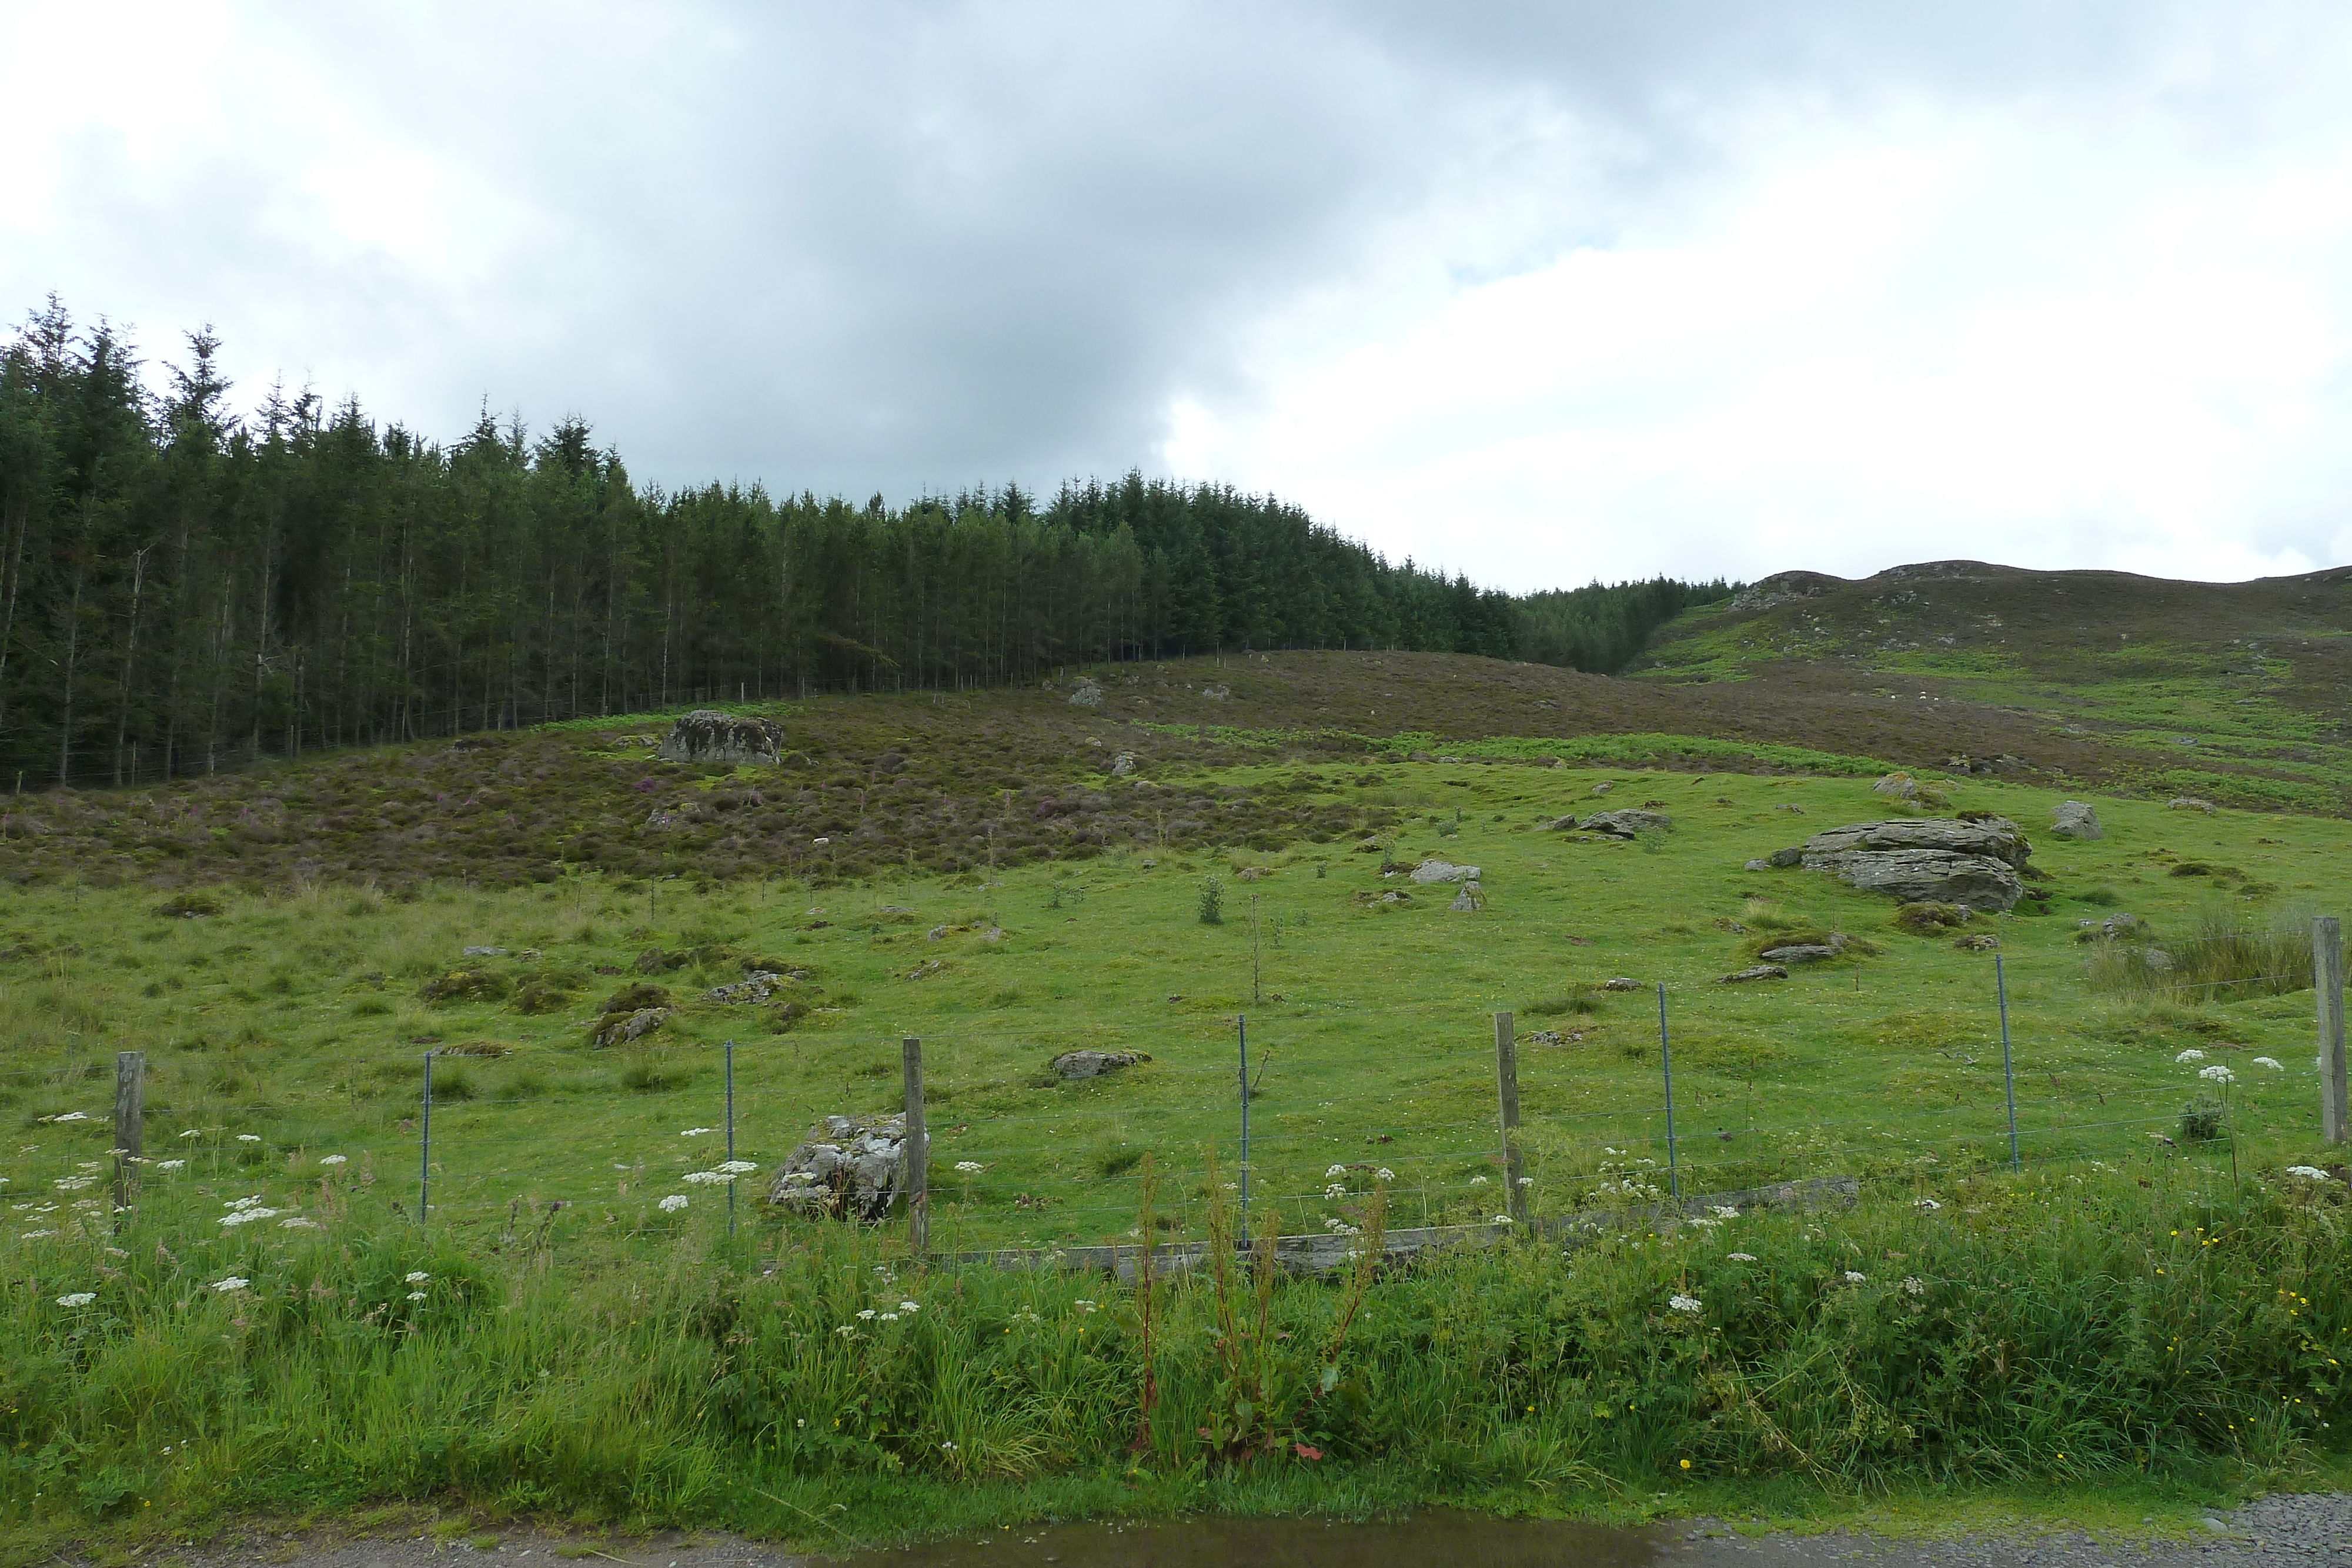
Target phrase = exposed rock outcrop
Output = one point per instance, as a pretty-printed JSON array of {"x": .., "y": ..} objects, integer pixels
[
  {"x": 1972, "y": 863},
  {"x": 707, "y": 735},
  {"x": 2074, "y": 820},
  {"x": 849, "y": 1166},
  {"x": 1627, "y": 822}
]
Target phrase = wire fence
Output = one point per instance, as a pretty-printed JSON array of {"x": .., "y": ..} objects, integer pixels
[{"x": 1457, "y": 1134}]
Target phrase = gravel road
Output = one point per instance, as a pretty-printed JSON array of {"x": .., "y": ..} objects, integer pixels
[{"x": 2275, "y": 1533}]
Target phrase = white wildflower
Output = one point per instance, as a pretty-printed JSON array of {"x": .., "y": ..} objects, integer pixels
[
  {"x": 698, "y": 1132},
  {"x": 1854, "y": 1278},
  {"x": 298, "y": 1223},
  {"x": 248, "y": 1137},
  {"x": 1337, "y": 1189},
  {"x": 702, "y": 1178},
  {"x": 77, "y": 1299},
  {"x": 1086, "y": 1306},
  {"x": 1502, "y": 1219},
  {"x": 248, "y": 1215},
  {"x": 194, "y": 1132},
  {"x": 1724, "y": 1211},
  {"x": 737, "y": 1167},
  {"x": 947, "y": 1447},
  {"x": 1336, "y": 1171},
  {"x": 334, "y": 1160},
  {"x": 866, "y": 1315},
  {"x": 171, "y": 1165},
  {"x": 245, "y": 1202},
  {"x": 37, "y": 1234},
  {"x": 1930, "y": 1204},
  {"x": 889, "y": 1317},
  {"x": 672, "y": 1204},
  {"x": 2309, "y": 1173},
  {"x": 1385, "y": 1173},
  {"x": 847, "y": 1330},
  {"x": 910, "y": 1306},
  {"x": 415, "y": 1295},
  {"x": 1684, "y": 1303},
  {"x": 1915, "y": 1286},
  {"x": 414, "y": 1276},
  {"x": 2272, "y": 1062},
  {"x": 68, "y": 1116},
  {"x": 2217, "y": 1073},
  {"x": 968, "y": 1167},
  {"x": 2191, "y": 1054},
  {"x": 234, "y": 1283},
  {"x": 1479, "y": 1181},
  {"x": 1741, "y": 1257}
]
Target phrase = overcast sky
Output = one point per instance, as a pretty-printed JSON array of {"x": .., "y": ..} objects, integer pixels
[{"x": 1540, "y": 292}]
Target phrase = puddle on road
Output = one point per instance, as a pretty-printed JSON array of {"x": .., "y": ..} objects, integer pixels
[{"x": 1451, "y": 1539}]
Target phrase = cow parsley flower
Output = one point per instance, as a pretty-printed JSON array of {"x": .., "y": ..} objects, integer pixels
[
  {"x": 889, "y": 1317},
  {"x": 672, "y": 1204},
  {"x": 171, "y": 1165},
  {"x": 847, "y": 1330},
  {"x": 1684, "y": 1303},
  {"x": 2309, "y": 1173},
  {"x": 736, "y": 1168},
  {"x": 1930, "y": 1204},
  {"x": 910, "y": 1306},
  {"x": 1337, "y": 1189},
  {"x": 1913, "y": 1285},
  {"x": 1385, "y": 1173},
  {"x": 1724, "y": 1211},
  {"x": 698, "y": 1132},
  {"x": 1478, "y": 1181},
  {"x": 334, "y": 1160},
  {"x": 2191, "y": 1054},
  {"x": 2272, "y": 1062},
  {"x": 298, "y": 1223},
  {"x": 1502, "y": 1219},
  {"x": 415, "y": 1295},
  {"x": 248, "y": 1215},
  {"x": 1336, "y": 1171},
  {"x": 702, "y": 1178},
  {"x": 865, "y": 1315},
  {"x": 415, "y": 1276},
  {"x": 1741, "y": 1257},
  {"x": 1854, "y": 1278},
  {"x": 233, "y": 1283},
  {"x": 77, "y": 1299},
  {"x": 248, "y": 1137},
  {"x": 968, "y": 1167},
  {"x": 2217, "y": 1073}
]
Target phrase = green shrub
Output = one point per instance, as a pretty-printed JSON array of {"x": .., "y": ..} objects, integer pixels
[{"x": 1212, "y": 905}]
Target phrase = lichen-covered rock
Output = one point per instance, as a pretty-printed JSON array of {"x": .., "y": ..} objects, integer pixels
[
  {"x": 1627, "y": 822},
  {"x": 1620, "y": 984},
  {"x": 707, "y": 735},
  {"x": 1980, "y": 943},
  {"x": 2075, "y": 819},
  {"x": 1926, "y": 876},
  {"x": 1901, "y": 785},
  {"x": 756, "y": 986},
  {"x": 848, "y": 1168},
  {"x": 2190, "y": 803},
  {"x": 1089, "y": 695},
  {"x": 1435, "y": 870},
  {"x": 624, "y": 1029},
  {"x": 635, "y": 998},
  {"x": 1122, "y": 765},
  {"x": 1996, "y": 837},
  {"x": 1805, "y": 952},
  {"x": 1758, "y": 972},
  {"x": 1471, "y": 899},
  {"x": 1073, "y": 1065}
]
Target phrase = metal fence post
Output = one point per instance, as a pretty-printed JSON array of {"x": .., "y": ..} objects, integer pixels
[
  {"x": 731, "y": 1178},
  {"x": 1243, "y": 1022},
  {"x": 129, "y": 1107},
  {"x": 2328, "y": 977},
  {"x": 2008, "y": 1069},
  {"x": 1666, "y": 1063},
  {"x": 919, "y": 1153},
  {"x": 1507, "y": 1096},
  {"x": 424, "y": 1161}
]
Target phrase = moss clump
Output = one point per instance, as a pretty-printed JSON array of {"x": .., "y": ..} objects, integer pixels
[
  {"x": 1931, "y": 919},
  {"x": 473, "y": 983},
  {"x": 636, "y": 998}
]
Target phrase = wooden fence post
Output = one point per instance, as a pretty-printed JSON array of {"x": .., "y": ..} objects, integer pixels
[
  {"x": 130, "y": 1139},
  {"x": 918, "y": 1146},
  {"x": 2328, "y": 979},
  {"x": 1507, "y": 1086}
]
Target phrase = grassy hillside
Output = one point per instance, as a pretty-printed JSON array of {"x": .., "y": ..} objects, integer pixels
[
  {"x": 285, "y": 945},
  {"x": 2234, "y": 691}
]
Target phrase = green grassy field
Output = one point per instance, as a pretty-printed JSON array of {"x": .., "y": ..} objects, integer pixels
[
  {"x": 295, "y": 1021},
  {"x": 2139, "y": 1308}
]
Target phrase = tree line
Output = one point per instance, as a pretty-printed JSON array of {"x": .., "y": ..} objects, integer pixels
[{"x": 182, "y": 587}]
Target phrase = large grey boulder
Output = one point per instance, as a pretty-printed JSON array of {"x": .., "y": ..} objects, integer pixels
[
  {"x": 2074, "y": 819},
  {"x": 1435, "y": 870},
  {"x": 1627, "y": 822},
  {"x": 849, "y": 1166},
  {"x": 1925, "y": 876},
  {"x": 1994, "y": 837},
  {"x": 707, "y": 735}
]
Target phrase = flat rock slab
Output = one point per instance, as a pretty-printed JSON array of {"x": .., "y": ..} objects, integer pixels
[
  {"x": 1627, "y": 822},
  {"x": 1072, "y": 1065},
  {"x": 1435, "y": 870},
  {"x": 1925, "y": 876},
  {"x": 1994, "y": 837}
]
